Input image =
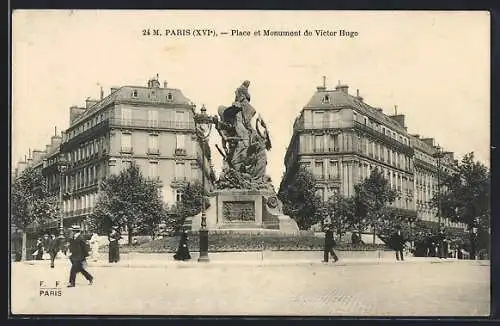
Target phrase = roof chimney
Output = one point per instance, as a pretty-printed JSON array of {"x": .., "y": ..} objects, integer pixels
[
  {"x": 359, "y": 98},
  {"x": 342, "y": 87},
  {"x": 102, "y": 93},
  {"x": 399, "y": 119},
  {"x": 74, "y": 113},
  {"x": 165, "y": 84},
  {"x": 89, "y": 102},
  {"x": 114, "y": 89}
]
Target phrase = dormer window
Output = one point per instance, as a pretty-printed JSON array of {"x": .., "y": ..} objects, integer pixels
[
  {"x": 326, "y": 99},
  {"x": 134, "y": 93},
  {"x": 169, "y": 97}
]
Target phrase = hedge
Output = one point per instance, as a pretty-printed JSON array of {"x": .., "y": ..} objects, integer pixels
[{"x": 231, "y": 242}]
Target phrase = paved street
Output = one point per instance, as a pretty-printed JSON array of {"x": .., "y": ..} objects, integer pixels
[{"x": 457, "y": 288}]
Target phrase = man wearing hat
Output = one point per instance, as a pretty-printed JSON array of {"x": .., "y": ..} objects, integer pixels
[
  {"x": 329, "y": 241},
  {"x": 114, "y": 248},
  {"x": 79, "y": 253}
]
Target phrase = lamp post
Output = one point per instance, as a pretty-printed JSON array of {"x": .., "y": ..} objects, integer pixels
[
  {"x": 61, "y": 167},
  {"x": 474, "y": 238},
  {"x": 203, "y": 127}
]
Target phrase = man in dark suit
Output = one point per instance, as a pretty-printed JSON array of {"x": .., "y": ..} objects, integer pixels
[
  {"x": 79, "y": 252},
  {"x": 114, "y": 246},
  {"x": 53, "y": 248},
  {"x": 329, "y": 244},
  {"x": 397, "y": 243}
]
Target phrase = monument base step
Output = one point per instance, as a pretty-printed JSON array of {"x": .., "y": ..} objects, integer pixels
[{"x": 239, "y": 226}]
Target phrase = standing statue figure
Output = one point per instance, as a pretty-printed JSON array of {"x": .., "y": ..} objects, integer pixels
[{"x": 244, "y": 147}]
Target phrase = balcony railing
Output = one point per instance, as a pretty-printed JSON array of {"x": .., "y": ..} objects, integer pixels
[
  {"x": 153, "y": 151},
  {"x": 140, "y": 123},
  {"x": 126, "y": 149},
  {"x": 385, "y": 138},
  {"x": 180, "y": 152}
]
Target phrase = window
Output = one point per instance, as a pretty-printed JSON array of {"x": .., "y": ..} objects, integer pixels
[
  {"x": 333, "y": 191},
  {"x": 153, "y": 170},
  {"x": 134, "y": 93},
  {"x": 178, "y": 195},
  {"x": 170, "y": 97},
  {"x": 333, "y": 144},
  {"x": 126, "y": 141},
  {"x": 180, "y": 173},
  {"x": 318, "y": 169},
  {"x": 153, "y": 144},
  {"x": 354, "y": 116},
  {"x": 326, "y": 99},
  {"x": 366, "y": 120},
  {"x": 318, "y": 119},
  {"x": 333, "y": 170},
  {"x": 153, "y": 118},
  {"x": 126, "y": 116},
  {"x": 306, "y": 165},
  {"x": 318, "y": 143},
  {"x": 179, "y": 119}
]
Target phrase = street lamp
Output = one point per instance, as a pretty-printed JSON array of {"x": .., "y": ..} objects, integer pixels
[
  {"x": 61, "y": 168},
  {"x": 203, "y": 127}
]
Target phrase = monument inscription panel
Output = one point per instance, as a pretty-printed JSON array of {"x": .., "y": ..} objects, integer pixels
[{"x": 234, "y": 211}]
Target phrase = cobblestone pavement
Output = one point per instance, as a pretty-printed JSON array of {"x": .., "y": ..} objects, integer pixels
[{"x": 459, "y": 288}]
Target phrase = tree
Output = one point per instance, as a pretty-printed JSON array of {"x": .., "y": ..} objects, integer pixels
[
  {"x": 465, "y": 195},
  {"x": 300, "y": 200},
  {"x": 372, "y": 198},
  {"x": 191, "y": 201},
  {"x": 128, "y": 200},
  {"x": 342, "y": 212},
  {"x": 31, "y": 204}
]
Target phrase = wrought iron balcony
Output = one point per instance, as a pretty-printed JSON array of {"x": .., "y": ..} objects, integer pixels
[
  {"x": 141, "y": 123},
  {"x": 180, "y": 152},
  {"x": 126, "y": 150},
  {"x": 153, "y": 151}
]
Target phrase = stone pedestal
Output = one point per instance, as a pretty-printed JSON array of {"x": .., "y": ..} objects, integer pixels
[
  {"x": 239, "y": 209},
  {"x": 243, "y": 210}
]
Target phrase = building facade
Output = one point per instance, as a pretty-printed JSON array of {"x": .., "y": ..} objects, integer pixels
[
  {"x": 150, "y": 125},
  {"x": 341, "y": 140},
  {"x": 429, "y": 159}
]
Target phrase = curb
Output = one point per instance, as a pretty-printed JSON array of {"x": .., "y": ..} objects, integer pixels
[{"x": 195, "y": 264}]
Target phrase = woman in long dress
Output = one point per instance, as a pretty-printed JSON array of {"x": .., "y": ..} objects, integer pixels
[{"x": 183, "y": 250}]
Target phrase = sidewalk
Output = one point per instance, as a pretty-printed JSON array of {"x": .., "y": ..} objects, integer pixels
[{"x": 138, "y": 260}]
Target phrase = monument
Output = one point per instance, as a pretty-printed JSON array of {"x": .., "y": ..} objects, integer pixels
[{"x": 245, "y": 198}]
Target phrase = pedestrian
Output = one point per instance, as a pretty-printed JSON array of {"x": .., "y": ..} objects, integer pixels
[
  {"x": 46, "y": 243},
  {"x": 79, "y": 253},
  {"x": 94, "y": 245},
  {"x": 397, "y": 243},
  {"x": 114, "y": 247},
  {"x": 39, "y": 249},
  {"x": 53, "y": 248},
  {"x": 441, "y": 244},
  {"x": 183, "y": 250},
  {"x": 329, "y": 244}
]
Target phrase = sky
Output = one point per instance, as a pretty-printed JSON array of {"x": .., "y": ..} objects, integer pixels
[{"x": 435, "y": 66}]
